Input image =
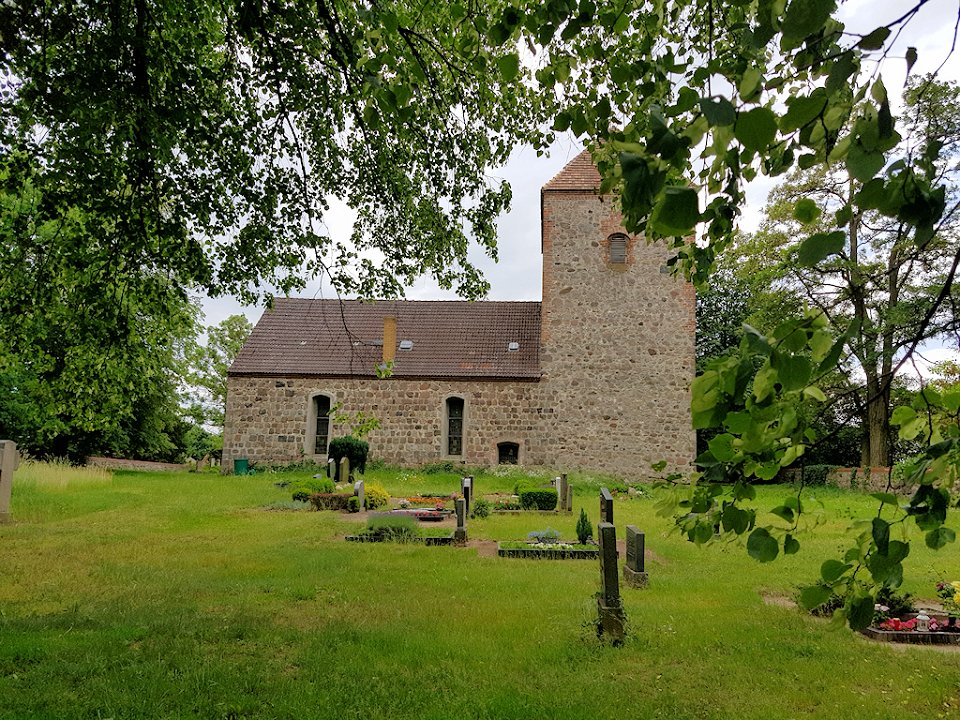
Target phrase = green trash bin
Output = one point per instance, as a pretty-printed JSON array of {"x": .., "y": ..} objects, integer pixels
[{"x": 241, "y": 466}]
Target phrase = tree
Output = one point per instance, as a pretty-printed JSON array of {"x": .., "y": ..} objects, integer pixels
[{"x": 206, "y": 367}]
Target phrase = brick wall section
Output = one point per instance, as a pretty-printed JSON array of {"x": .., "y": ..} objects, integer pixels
[
  {"x": 617, "y": 351},
  {"x": 267, "y": 418}
]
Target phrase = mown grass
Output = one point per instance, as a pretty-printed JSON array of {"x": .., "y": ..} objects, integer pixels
[{"x": 179, "y": 595}]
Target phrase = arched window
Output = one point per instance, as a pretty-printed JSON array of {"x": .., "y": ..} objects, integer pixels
[
  {"x": 454, "y": 425},
  {"x": 617, "y": 249},
  {"x": 508, "y": 453},
  {"x": 321, "y": 429}
]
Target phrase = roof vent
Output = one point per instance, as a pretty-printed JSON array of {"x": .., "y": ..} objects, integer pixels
[
  {"x": 513, "y": 347},
  {"x": 406, "y": 344}
]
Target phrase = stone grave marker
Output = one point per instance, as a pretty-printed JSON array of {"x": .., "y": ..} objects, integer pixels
[
  {"x": 612, "y": 622},
  {"x": 460, "y": 534},
  {"x": 633, "y": 572},
  {"x": 358, "y": 490},
  {"x": 466, "y": 489},
  {"x": 332, "y": 469},
  {"x": 343, "y": 475},
  {"x": 606, "y": 506},
  {"x": 9, "y": 461},
  {"x": 569, "y": 498},
  {"x": 562, "y": 490}
]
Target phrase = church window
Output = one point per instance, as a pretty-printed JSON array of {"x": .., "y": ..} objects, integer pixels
[
  {"x": 617, "y": 248},
  {"x": 454, "y": 426},
  {"x": 321, "y": 409}
]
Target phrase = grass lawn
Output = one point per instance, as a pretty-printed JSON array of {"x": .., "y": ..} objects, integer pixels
[{"x": 177, "y": 595}]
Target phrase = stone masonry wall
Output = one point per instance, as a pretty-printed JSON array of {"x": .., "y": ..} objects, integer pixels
[
  {"x": 267, "y": 418},
  {"x": 617, "y": 353}
]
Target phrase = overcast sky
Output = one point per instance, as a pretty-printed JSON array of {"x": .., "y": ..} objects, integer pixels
[{"x": 517, "y": 275}]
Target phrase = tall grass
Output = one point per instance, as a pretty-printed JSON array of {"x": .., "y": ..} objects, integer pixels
[{"x": 58, "y": 475}]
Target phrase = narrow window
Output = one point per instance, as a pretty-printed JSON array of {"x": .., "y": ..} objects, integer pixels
[
  {"x": 508, "y": 453},
  {"x": 321, "y": 405},
  {"x": 454, "y": 426},
  {"x": 617, "y": 248}
]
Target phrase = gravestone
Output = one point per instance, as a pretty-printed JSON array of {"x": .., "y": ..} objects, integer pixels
[
  {"x": 466, "y": 489},
  {"x": 358, "y": 490},
  {"x": 460, "y": 534},
  {"x": 606, "y": 506},
  {"x": 562, "y": 490},
  {"x": 9, "y": 461},
  {"x": 343, "y": 475},
  {"x": 634, "y": 574},
  {"x": 612, "y": 619},
  {"x": 332, "y": 469},
  {"x": 570, "y": 498}
]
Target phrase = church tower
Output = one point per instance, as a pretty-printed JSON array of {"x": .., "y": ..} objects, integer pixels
[{"x": 617, "y": 337}]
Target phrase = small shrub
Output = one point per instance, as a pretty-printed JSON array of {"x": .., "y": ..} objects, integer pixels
[
  {"x": 353, "y": 504},
  {"x": 816, "y": 475},
  {"x": 351, "y": 448},
  {"x": 395, "y": 528},
  {"x": 339, "y": 502},
  {"x": 897, "y": 604},
  {"x": 537, "y": 498},
  {"x": 584, "y": 528},
  {"x": 480, "y": 509},
  {"x": 376, "y": 495},
  {"x": 506, "y": 505},
  {"x": 437, "y": 468},
  {"x": 302, "y": 489},
  {"x": 544, "y": 536}
]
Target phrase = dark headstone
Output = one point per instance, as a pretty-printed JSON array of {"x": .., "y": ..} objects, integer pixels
[
  {"x": 612, "y": 619},
  {"x": 606, "y": 506},
  {"x": 460, "y": 534},
  {"x": 634, "y": 574},
  {"x": 569, "y": 498},
  {"x": 563, "y": 490}
]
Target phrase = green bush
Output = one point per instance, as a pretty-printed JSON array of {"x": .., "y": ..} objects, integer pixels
[
  {"x": 523, "y": 484},
  {"x": 584, "y": 528},
  {"x": 816, "y": 475},
  {"x": 353, "y": 504},
  {"x": 376, "y": 495},
  {"x": 339, "y": 502},
  {"x": 538, "y": 498},
  {"x": 351, "y": 448},
  {"x": 480, "y": 509},
  {"x": 303, "y": 489},
  {"x": 395, "y": 528}
]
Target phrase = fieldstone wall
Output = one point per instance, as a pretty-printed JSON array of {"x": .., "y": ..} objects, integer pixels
[
  {"x": 617, "y": 352},
  {"x": 268, "y": 418}
]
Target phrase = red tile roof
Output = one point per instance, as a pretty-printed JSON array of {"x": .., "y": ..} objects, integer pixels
[
  {"x": 345, "y": 339},
  {"x": 578, "y": 174}
]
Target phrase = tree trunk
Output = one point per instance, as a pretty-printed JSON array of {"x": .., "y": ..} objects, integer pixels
[{"x": 878, "y": 423}]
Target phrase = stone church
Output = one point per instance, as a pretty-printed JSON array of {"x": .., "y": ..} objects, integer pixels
[{"x": 595, "y": 377}]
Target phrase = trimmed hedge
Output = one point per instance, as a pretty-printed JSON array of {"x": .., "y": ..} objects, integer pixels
[
  {"x": 538, "y": 498},
  {"x": 351, "y": 448},
  {"x": 339, "y": 502}
]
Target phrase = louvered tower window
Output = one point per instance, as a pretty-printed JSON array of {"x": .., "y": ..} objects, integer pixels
[{"x": 617, "y": 248}]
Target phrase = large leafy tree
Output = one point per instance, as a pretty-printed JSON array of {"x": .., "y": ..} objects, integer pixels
[{"x": 205, "y": 367}]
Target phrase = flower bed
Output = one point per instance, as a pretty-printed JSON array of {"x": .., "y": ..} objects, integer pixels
[
  {"x": 905, "y": 631},
  {"x": 423, "y": 514},
  {"x": 547, "y": 551}
]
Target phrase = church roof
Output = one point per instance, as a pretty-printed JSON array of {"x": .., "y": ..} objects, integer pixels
[
  {"x": 450, "y": 339},
  {"x": 580, "y": 174}
]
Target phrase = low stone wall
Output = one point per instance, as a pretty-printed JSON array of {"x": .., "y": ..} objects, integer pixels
[
  {"x": 873, "y": 479},
  {"x": 146, "y": 465}
]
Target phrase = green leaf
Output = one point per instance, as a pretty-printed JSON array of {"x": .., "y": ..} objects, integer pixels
[
  {"x": 677, "y": 212},
  {"x": 761, "y": 546},
  {"x": 721, "y": 447},
  {"x": 860, "y": 612},
  {"x": 939, "y": 537},
  {"x": 803, "y": 18},
  {"x": 790, "y": 545},
  {"x": 911, "y": 58},
  {"x": 833, "y": 570},
  {"x": 718, "y": 111},
  {"x": 813, "y": 596},
  {"x": 750, "y": 83},
  {"x": 783, "y": 512},
  {"x": 815, "y": 393},
  {"x": 902, "y": 415},
  {"x": 509, "y": 66},
  {"x": 734, "y": 519},
  {"x": 821, "y": 246},
  {"x": 801, "y": 111},
  {"x": 756, "y": 128},
  {"x": 881, "y": 534},
  {"x": 875, "y": 39},
  {"x": 886, "y": 498},
  {"x": 863, "y": 164},
  {"x": 806, "y": 211},
  {"x": 884, "y": 570},
  {"x": 793, "y": 371}
]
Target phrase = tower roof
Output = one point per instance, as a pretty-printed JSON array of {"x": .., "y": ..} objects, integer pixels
[{"x": 580, "y": 174}]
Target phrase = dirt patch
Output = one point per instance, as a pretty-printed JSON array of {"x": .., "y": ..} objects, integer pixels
[
  {"x": 778, "y": 600},
  {"x": 484, "y": 548}
]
